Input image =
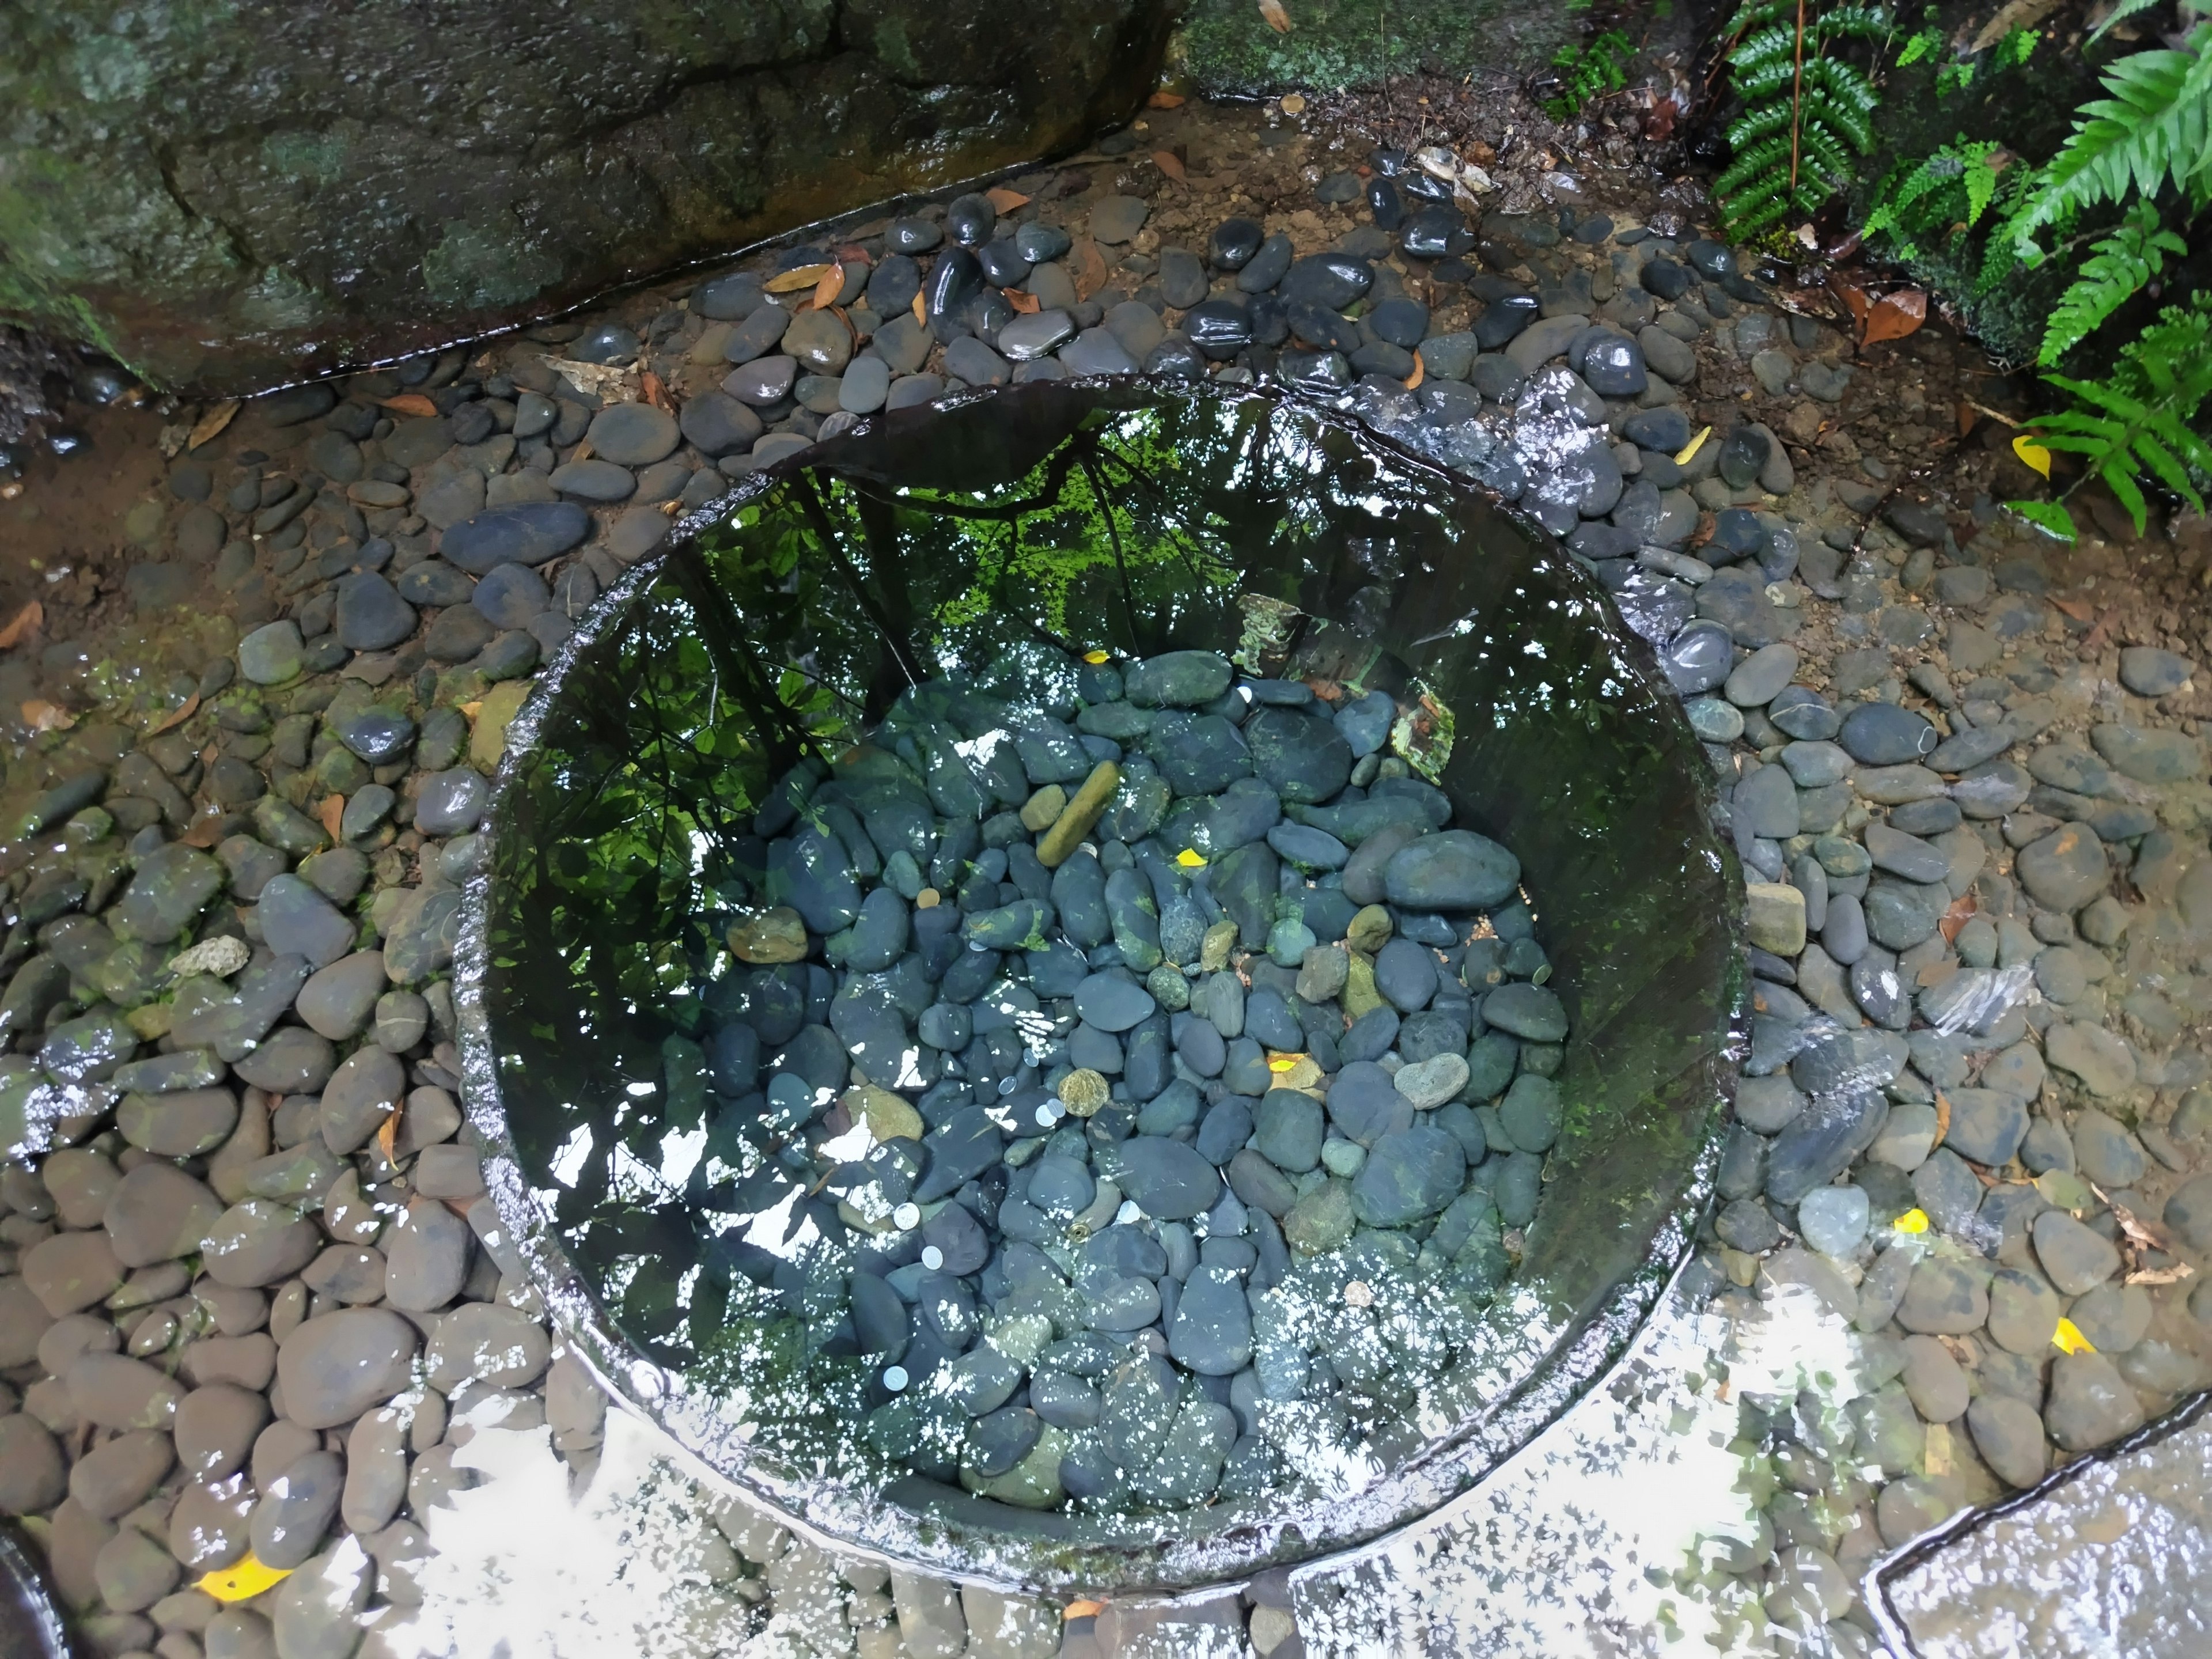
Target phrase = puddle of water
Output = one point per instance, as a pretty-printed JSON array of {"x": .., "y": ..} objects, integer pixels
[{"x": 1086, "y": 520}]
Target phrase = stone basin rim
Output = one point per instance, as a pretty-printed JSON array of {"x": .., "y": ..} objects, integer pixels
[{"x": 1170, "y": 1562}]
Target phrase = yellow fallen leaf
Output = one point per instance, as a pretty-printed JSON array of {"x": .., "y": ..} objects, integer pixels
[
  {"x": 1912, "y": 1221},
  {"x": 1278, "y": 18},
  {"x": 1083, "y": 1610},
  {"x": 1094, "y": 657},
  {"x": 175, "y": 716},
  {"x": 1691, "y": 449},
  {"x": 920, "y": 315},
  {"x": 1191, "y": 859},
  {"x": 209, "y": 426},
  {"x": 2067, "y": 1338},
  {"x": 2031, "y": 454},
  {"x": 43, "y": 716},
  {"x": 409, "y": 402},
  {"x": 1284, "y": 1062},
  {"x": 790, "y": 282},
  {"x": 244, "y": 1581}
]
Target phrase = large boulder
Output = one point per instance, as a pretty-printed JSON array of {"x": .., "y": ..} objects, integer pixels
[{"x": 224, "y": 196}]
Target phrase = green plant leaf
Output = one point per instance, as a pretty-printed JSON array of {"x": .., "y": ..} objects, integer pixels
[{"x": 2049, "y": 517}]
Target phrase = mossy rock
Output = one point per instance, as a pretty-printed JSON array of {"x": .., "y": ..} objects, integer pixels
[
  {"x": 1227, "y": 48},
  {"x": 222, "y": 196}
]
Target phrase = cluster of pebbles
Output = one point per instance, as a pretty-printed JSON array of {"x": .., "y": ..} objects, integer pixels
[
  {"x": 1177, "y": 1073},
  {"x": 321, "y": 525}
]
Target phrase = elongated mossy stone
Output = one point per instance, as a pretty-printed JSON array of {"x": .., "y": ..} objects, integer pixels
[{"x": 1076, "y": 818}]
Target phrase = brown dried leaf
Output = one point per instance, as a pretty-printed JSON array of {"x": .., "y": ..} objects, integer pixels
[
  {"x": 43, "y": 716},
  {"x": 2174, "y": 1275},
  {"x": 1087, "y": 266},
  {"x": 831, "y": 285},
  {"x": 1943, "y": 1119},
  {"x": 651, "y": 389},
  {"x": 1896, "y": 315},
  {"x": 408, "y": 402},
  {"x": 2136, "y": 1232},
  {"x": 1967, "y": 415},
  {"x": 387, "y": 1136},
  {"x": 209, "y": 426},
  {"x": 1855, "y": 300},
  {"x": 2080, "y": 610},
  {"x": 24, "y": 621},
  {"x": 331, "y": 814},
  {"x": 801, "y": 277},
  {"x": 1004, "y": 200},
  {"x": 1170, "y": 163},
  {"x": 1165, "y": 100},
  {"x": 920, "y": 315},
  {"x": 1026, "y": 303},
  {"x": 1420, "y": 371},
  {"x": 1961, "y": 911},
  {"x": 175, "y": 716},
  {"x": 1278, "y": 18}
]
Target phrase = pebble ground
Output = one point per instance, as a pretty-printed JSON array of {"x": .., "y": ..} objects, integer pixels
[{"x": 253, "y": 1298}]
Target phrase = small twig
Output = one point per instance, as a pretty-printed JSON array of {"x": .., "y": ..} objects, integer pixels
[{"x": 1796, "y": 96}]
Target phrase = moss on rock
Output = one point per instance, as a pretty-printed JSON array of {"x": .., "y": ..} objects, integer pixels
[{"x": 1227, "y": 47}]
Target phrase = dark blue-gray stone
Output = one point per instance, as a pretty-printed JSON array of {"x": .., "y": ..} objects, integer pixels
[
  {"x": 1364, "y": 1104},
  {"x": 1167, "y": 1179},
  {"x": 1411, "y": 1173},
  {"x": 1820, "y": 1143},
  {"x": 1303, "y": 759},
  {"x": 1451, "y": 870},
  {"x": 510, "y": 595},
  {"x": 1531, "y": 1012},
  {"x": 969, "y": 1144},
  {"x": 1288, "y": 1130},
  {"x": 370, "y": 614},
  {"x": 296, "y": 920},
  {"x": 1406, "y": 975},
  {"x": 528, "y": 532},
  {"x": 1882, "y": 734},
  {"x": 1211, "y": 1331},
  {"x": 1111, "y": 1003}
]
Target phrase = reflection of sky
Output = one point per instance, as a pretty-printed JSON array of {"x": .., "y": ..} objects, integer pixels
[{"x": 1580, "y": 1545}]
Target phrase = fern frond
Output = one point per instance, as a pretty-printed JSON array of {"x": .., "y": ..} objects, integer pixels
[
  {"x": 2156, "y": 126},
  {"x": 2125, "y": 9},
  {"x": 2118, "y": 267}
]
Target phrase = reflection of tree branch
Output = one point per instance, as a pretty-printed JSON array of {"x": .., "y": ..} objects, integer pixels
[
  {"x": 1114, "y": 536},
  {"x": 902, "y": 650},
  {"x": 1056, "y": 471},
  {"x": 720, "y": 630}
]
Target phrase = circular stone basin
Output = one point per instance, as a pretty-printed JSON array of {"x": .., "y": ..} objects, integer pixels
[{"x": 696, "y": 1246}]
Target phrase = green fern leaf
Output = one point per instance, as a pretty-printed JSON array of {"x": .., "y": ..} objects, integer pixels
[
  {"x": 2156, "y": 126},
  {"x": 2118, "y": 267},
  {"x": 2125, "y": 9}
]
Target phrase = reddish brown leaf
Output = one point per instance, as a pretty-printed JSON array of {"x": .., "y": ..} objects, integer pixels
[
  {"x": 1942, "y": 1118},
  {"x": 654, "y": 392},
  {"x": 2080, "y": 610},
  {"x": 209, "y": 426},
  {"x": 24, "y": 621},
  {"x": 331, "y": 814},
  {"x": 1896, "y": 315},
  {"x": 1005, "y": 200},
  {"x": 175, "y": 717},
  {"x": 1855, "y": 300},
  {"x": 831, "y": 285},
  {"x": 1967, "y": 415},
  {"x": 409, "y": 402},
  {"x": 1420, "y": 371},
  {"x": 1087, "y": 266},
  {"x": 1170, "y": 163},
  {"x": 1165, "y": 100},
  {"x": 1962, "y": 911},
  {"x": 1021, "y": 301}
]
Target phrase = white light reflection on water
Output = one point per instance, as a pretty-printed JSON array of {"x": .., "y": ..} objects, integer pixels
[{"x": 1574, "y": 1546}]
